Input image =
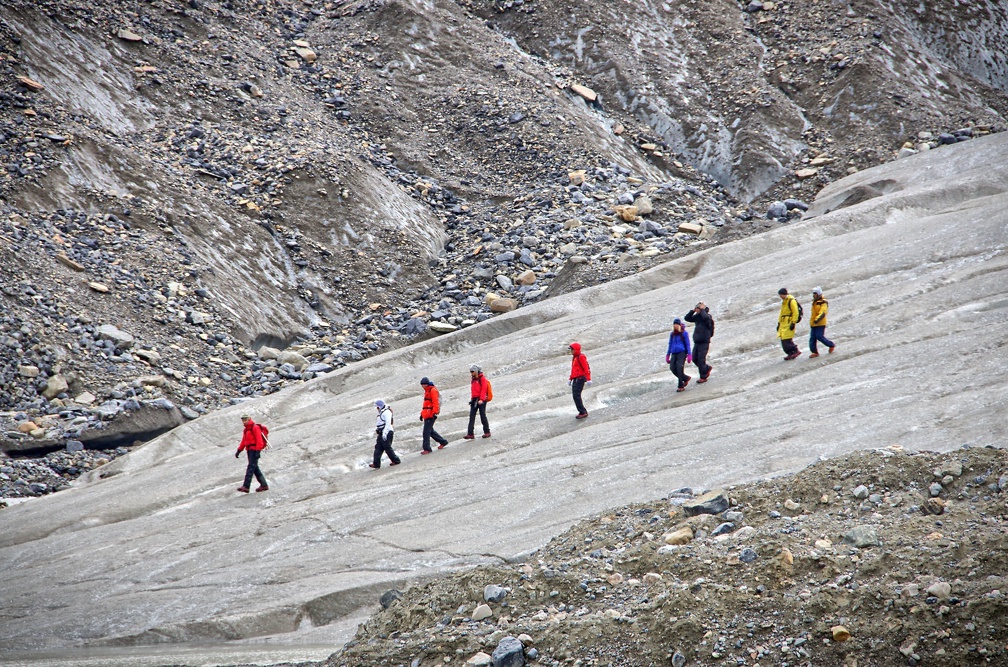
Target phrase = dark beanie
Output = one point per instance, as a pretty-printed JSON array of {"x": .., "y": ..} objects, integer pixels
[
  {"x": 782, "y": 291},
  {"x": 424, "y": 381}
]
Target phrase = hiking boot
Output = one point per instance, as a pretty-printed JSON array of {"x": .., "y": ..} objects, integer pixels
[
  {"x": 395, "y": 463},
  {"x": 701, "y": 380},
  {"x": 707, "y": 374},
  {"x": 813, "y": 355},
  {"x": 793, "y": 355},
  {"x": 371, "y": 465},
  {"x": 832, "y": 347},
  {"x": 442, "y": 445},
  {"x": 681, "y": 389},
  {"x": 243, "y": 489},
  {"x": 468, "y": 436},
  {"x": 688, "y": 378},
  {"x": 582, "y": 415},
  {"x": 486, "y": 435},
  {"x": 426, "y": 451},
  {"x": 262, "y": 487}
]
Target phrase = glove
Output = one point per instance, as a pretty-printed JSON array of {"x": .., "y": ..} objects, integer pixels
[
  {"x": 570, "y": 383},
  {"x": 792, "y": 326},
  {"x": 238, "y": 453},
  {"x": 588, "y": 383},
  {"x": 689, "y": 358},
  {"x": 668, "y": 358}
]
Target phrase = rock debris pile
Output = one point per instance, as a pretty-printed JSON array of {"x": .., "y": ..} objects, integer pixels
[{"x": 873, "y": 558}]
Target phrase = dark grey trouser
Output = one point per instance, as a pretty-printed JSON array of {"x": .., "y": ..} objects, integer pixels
[
  {"x": 253, "y": 469},
  {"x": 474, "y": 407},
  {"x": 429, "y": 432},
  {"x": 577, "y": 386},
  {"x": 700, "y": 358},
  {"x": 677, "y": 366},
  {"x": 384, "y": 445}
]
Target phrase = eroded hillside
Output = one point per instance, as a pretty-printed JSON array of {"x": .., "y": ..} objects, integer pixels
[{"x": 207, "y": 201}]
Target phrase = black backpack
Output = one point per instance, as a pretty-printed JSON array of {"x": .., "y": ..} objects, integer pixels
[
  {"x": 711, "y": 326},
  {"x": 801, "y": 313}
]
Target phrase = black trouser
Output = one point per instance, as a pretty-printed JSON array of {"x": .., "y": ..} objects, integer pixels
[
  {"x": 789, "y": 345},
  {"x": 253, "y": 469},
  {"x": 475, "y": 405},
  {"x": 700, "y": 357},
  {"x": 429, "y": 432},
  {"x": 577, "y": 386},
  {"x": 384, "y": 444},
  {"x": 677, "y": 366}
]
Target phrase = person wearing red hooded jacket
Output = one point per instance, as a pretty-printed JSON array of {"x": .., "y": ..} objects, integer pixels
[
  {"x": 429, "y": 414},
  {"x": 479, "y": 395},
  {"x": 580, "y": 376},
  {"x": 253, "y": 442}
]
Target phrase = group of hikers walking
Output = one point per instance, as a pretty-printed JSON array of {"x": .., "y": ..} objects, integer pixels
[{"x": 680, "y": 352}]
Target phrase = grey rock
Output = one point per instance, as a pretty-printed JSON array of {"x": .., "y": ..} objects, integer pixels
[
  {"x": 74, "y": 446},
  {"x": 778, "y": 209},
  {"x": 734, "y": 516},
  {"x": 862, "y": 537},
  {"x": 188, "y": 413},
  {"x": 748, "y": 555},
  {"x": 723, "y": 529},
  {"x": 713, "y": 502},
  {"x": 120, "y": 339},
  {"x": 494, "y": 593},
  {"x": 294, "y": 359},
  {"x": 509, "y": 653},
  {"x": 935, "y": 489},
  {"x": 266, "y": 352},
  {"x": 505, "y": 257},
  {"x": 389, "y": 598},
  {"x": 319, "y": 367},
  {"x": 55, "y": 386},
  {"x": 414, "y": 326},
  {"x": 792, "y": 204},
  {"x": 504, "y": 282},
  {"x": 860, "y": 492}
]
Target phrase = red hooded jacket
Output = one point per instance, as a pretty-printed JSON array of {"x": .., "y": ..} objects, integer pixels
[
  {"x": 431, "y": 402},
  {"x": 579, "y": 364},
  {"x": 479, "y": 387},
  {"x": 252, "y": 438}
]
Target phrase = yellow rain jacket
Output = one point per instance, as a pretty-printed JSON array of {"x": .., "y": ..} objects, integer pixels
[
  {"x": 788, "y": 316},
  {"x": 819, "y": 308}
]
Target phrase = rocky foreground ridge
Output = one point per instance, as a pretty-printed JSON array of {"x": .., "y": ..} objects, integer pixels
[
  {"x": 881, "y": 557},
  {"x": 208, "y": 201}
]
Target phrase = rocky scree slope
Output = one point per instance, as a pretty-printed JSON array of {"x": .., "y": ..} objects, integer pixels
[
  {"x": 880, "y": 557},
  {"x": 194, "y": 189}
]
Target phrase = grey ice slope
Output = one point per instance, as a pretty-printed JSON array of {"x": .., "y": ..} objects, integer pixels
[{"x": 163, "y": 549}]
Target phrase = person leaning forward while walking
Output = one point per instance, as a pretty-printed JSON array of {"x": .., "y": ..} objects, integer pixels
[
  {"x": 253, "y": 442},
  {"x": 479, "y": 396},
  {"x": 429, "y": 414},
  {"x": 817, "y": 324},
  {"x": 703, "y": 329},
  {"x": 384, "y": 431},
  {"x": 786, "y": 321},
  {"x": 580, "y": 377}
]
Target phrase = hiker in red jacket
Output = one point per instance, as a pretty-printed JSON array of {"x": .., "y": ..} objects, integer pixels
[
  {"x": 479, "y": 395},
  {"x": 579, "y": 377},
  {"x": 253, "y": 442},
  {"x": 429, "y": 414}
]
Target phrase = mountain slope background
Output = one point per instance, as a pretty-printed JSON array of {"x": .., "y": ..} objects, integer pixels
[
  {"x": 340, "y": 178},
  {"x": 154, "y": 546}
]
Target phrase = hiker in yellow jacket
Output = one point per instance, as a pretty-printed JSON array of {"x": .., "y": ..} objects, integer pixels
[
  {"x": 786, "y": 321},
  {"x": 817, "y": 324}
]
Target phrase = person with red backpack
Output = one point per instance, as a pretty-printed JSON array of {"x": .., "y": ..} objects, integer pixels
[
  {"x": 480, "y": 395},
  {"x": 678, "y": 354},
  {"x": 580, "y": 377},
  {"x": 253, "y": 442}
]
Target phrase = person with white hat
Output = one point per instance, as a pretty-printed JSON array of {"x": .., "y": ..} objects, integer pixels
[
  {"x": 479, "y": 396},
  {"x": 384, "y": 431}
]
